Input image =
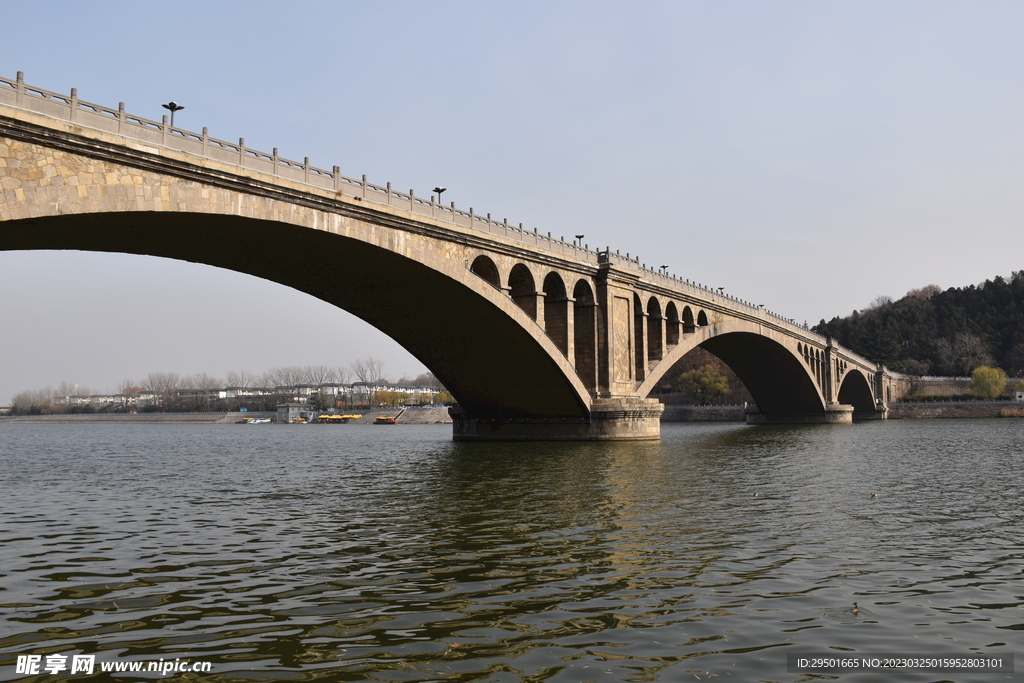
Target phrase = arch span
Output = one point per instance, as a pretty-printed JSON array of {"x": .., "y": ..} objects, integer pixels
[
  {"x": 774, "y": 373},
  {"x": 401, "y": 296},
  {"x": 855, "y": 390}
]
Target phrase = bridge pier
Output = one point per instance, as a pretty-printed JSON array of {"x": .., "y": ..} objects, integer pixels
[
  {"x": 611, "y": 419},
  {"x": 835, "y": 413}
]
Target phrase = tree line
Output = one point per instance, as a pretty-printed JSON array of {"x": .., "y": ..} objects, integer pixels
[
  {"x": 934, "y": 332},
  {"x": 176, "y": 392}
]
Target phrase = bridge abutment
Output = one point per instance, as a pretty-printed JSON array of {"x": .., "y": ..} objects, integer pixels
[{"x": 611, "y": 419}]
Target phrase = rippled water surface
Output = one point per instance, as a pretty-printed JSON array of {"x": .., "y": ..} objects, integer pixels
[{"x": 355, "y": 553}]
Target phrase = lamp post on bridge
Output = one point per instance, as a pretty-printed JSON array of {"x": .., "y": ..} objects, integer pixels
[
  {"x": 439, "y": 190},
  {"x": 173, "y": 106},
  {"x": 579, "y": 240}
]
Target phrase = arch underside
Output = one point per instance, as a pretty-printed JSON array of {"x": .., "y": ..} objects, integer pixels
[
  {"x": 856, "y": 391},
  {"x": 493, "y": 367},
  {"x": 775, "y": 377}
]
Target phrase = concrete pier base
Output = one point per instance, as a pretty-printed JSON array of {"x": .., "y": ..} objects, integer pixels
[
  {"x": 836, "y": 413},
  {"x": 611, "y": 419}
]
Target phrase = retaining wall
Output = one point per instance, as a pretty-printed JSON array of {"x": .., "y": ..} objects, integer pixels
[{"x": 926, "y": 411}]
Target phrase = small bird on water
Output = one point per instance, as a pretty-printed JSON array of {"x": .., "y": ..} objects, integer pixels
[
  {"x": 874, "y": 495},
  {"x": 855, "y": 608}
]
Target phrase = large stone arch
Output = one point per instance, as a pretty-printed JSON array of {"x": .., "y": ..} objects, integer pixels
[
  {"x": 855, "y": 390},
  {"x": 400, "y": 280},
  {"x": 769, "y": 366}
]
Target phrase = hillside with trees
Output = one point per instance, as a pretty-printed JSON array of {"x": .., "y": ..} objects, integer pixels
[{"x": 935, "y": 332}]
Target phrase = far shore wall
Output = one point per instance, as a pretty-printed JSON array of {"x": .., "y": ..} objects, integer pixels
[
  {"x": 951, "y": 386},
  {"x": 926, "y": 411}
]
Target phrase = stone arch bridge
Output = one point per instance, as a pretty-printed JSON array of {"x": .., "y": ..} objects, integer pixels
[{"x": 536, "y": 337}]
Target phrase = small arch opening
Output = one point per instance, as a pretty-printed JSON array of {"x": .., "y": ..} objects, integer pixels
[
  {"x": 585, "y": 334},
  {"x": 671, "y": 324},
  {"x": 689, "y": 324},
  {"x": 639, "y": 339},
  {"x": 523, "y": 290},
  {"x": 484, "y": 267},
  {"x": 655, "y": 330},
  {"x": 556, "y": 311}
]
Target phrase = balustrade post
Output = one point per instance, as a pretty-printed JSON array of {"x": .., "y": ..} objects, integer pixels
[
  {"x": 20, "y": 99},
  {"x": 73, "y": 113},
  {"x": 120, "y": 119}
]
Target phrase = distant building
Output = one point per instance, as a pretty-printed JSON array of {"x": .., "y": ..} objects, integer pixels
[
  {"x": 363, "y": 393},
  {"x": 286, "y": 412}
]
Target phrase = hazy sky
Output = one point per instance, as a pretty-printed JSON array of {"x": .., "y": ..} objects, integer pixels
[{"x": 805, "y": 155}]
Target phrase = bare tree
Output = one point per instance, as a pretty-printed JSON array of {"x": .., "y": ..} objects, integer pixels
[
  {"x": 964, "y": 352},
  {"x": 66, "y": 390},
  {"x": 318, "y": 375},
  {"x": 926, "y": 292},
  {"x": 242, "y": 379},
  {"x": 880, "y": 301},
  {"x": 369, "y": 370},
  {"x": 427, "y": 379},
  {"x": 200, "y": 385},
  {"x": 915, "y": 370},
  {"x": 290, "y": 376},
  {"x": 127, "y": 387},
  {"x": 164, "y": 384},
  {"x": 33, "y": 401}
]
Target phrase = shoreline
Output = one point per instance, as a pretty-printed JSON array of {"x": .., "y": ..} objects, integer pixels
[
  {"x": 674, "y": 413},
  {"x": 411, "y": 416}
]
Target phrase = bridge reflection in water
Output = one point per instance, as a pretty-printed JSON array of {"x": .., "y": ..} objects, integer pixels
[{"x": 536, "y": 338}]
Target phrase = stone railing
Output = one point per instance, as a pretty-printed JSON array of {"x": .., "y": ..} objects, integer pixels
[{"x": 69, "y": 108}]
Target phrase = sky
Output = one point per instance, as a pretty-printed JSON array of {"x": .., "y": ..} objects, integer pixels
[{"x": 810, "y": 156}]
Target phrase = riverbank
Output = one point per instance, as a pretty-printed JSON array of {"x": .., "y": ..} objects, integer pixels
[
  {"x": 136, "y": 418},
  {"x": 673, "y": 413},
  {"x": 955, "y": 409},
  {"x": 409, "y": 416}
]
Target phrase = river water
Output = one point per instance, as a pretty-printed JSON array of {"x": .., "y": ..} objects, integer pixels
[{"x": 354, "y": 553}]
